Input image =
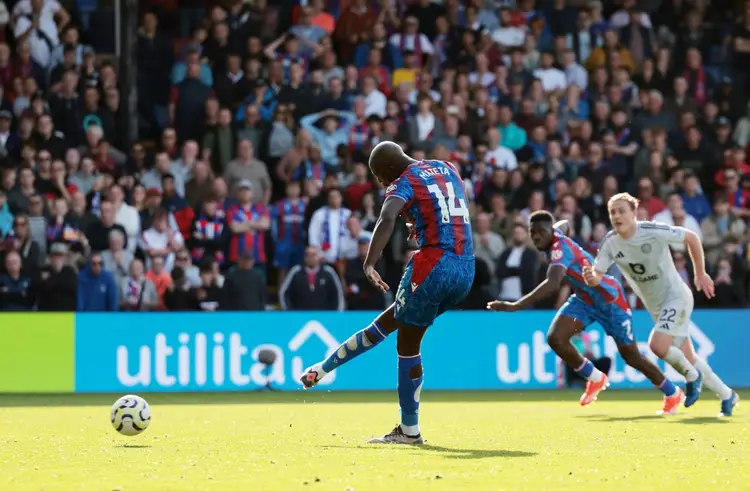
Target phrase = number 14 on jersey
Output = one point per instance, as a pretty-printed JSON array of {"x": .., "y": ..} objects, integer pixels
[{"x": 450, "y": 206}]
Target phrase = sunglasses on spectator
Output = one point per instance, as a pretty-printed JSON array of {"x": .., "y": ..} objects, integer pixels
[
  {"x": 183, "y": 258},
  {"x": 96, "y": 263}
]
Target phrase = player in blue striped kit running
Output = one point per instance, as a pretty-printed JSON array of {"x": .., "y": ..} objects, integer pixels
[{"x": 605, "y": 304}]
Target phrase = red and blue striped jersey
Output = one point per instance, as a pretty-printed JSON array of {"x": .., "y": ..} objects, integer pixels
[
  {"x": 288, "y": 221},
  {"x": 566, "y": 253},
  {"x": 436, "y": 205},
  {"x": 247, "y": 241}
]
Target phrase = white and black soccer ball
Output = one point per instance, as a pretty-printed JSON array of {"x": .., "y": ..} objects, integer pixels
[{"x": 130, "y": 415}]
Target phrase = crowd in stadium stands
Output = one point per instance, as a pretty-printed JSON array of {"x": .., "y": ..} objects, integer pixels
[{"x": 249, "y": 187}]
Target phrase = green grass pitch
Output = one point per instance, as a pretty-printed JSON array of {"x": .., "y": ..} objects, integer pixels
[{"x": 315, "y": 440}]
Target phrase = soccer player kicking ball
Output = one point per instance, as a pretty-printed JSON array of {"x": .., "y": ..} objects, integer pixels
[
  {"x": 641, "y": 250},
  {"x": 430, "y": 195},
  {"x": 604, "y": 303}
]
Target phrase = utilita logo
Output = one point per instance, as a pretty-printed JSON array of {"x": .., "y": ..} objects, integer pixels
[
  {"x": 535, "y": 362},
  {"x": 217, "y": 360}
]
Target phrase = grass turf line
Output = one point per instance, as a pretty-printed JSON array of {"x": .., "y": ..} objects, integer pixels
[{"x": 315, "y": 440}]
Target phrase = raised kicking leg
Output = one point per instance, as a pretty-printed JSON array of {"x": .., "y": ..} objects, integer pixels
[{"x": 359, "y": 343}]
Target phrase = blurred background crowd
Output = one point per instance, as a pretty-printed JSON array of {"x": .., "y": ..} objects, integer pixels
[{"x": 247, "y": 187}]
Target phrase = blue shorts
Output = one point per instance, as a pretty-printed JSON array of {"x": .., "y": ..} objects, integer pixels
[
  {"x": 433, "y": 282},
  {"x": 615, "y": 318},
  {"x": 287, "y": 255}
]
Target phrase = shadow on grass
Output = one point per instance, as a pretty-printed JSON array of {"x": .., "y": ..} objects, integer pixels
[
  {"x": 603, "y": 418},
  {"x": 447, "y": 452},
  {"x": 128, "y": 445},
  {"x": 312, "y": 396},
  {"x": 696, "y": 420},
  {"x": 702, "y": 420},
  {"x": 470, "y": 454}
]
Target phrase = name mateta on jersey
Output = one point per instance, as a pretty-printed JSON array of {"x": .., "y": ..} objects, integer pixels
[{"x": 645, "y": 260}]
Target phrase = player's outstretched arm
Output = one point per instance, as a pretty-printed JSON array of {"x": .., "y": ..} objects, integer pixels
[
  {"x": 703, "y": 282},
  {"x": 380, "y": 237},
  {"x": 549, "y": 286}
]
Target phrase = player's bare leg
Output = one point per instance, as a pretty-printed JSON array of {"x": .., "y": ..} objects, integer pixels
[
  {"x": 562, "y": 329},
  {"x": 729, "y": 398},
  {"x": 673, "y": 396},
  {"x": 666, "y": 347},
  {"x": 410, "y": 377},
  {"x": 360, "y": 342}
]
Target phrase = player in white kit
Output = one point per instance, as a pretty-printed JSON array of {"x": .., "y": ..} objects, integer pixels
[{"x": 641, "y": 251}]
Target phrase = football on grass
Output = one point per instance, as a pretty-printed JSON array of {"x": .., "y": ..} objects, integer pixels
[{"x": 131, "y": 415}]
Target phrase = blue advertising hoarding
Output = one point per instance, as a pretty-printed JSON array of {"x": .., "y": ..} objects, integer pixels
[{"x": 178, "y": 352}]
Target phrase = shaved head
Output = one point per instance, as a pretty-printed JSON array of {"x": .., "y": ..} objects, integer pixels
[{"x": 388, "y": 161}]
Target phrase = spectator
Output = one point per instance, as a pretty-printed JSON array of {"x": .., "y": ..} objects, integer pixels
[
  {"x": 247, "y": 225},
  {"x": 648, "y": 201},
  {"x": 208, "y": 234},
  {"x": 287, "y": 230},
  {"x": 6, "y": 217},
  {"x": 199, "y": 187},
  {"x": 37, "y": 23},
  {"x": 22, "y": 243},
  {"x": 719, "y": 227},
  {"x": 19, "y": 198},
  {"x": 244, "y": 288},
  {"x": 354, "y": 235},
  {"x": 328, "y": 227},
  {"x": 179, "y": 297},
  {"x": 729, "y": 293},
  {"x": 98, "y": 232},
  {"x": 516, "y": 266},
  {"x": 16, "y": 293},
  {"x": 153, "y": 178},
  {"x": 360, "y": 293},
  {"x": 191, "y": 271},
  {"x": 219, "y": 142},
  {"x": 182, "y": 168},
  {"x": 162, "y": 280},
  {"x": 176, "y": 205},
  {"x": 333, "y": 134},
  {"x": 137, "y": 293},
  {"x": 85, "y": 178},
  {"x": 125, "y": 215},
  {"x": 247, "y": 168},
  {"x": 57, "y": 283},
  {"x": 695, "y": 202},
  {"x": 187, "y": 102},
  {"x": 161, "y": 241},
  {"x": 488, "y": 245},
  {"x": 312, "y": 286},
  {"x": 116, "y": 259},
  {"x": 675, "y": 215},
  {"x": 208, "y": 293},
  {"x": 97, "y": 290}
]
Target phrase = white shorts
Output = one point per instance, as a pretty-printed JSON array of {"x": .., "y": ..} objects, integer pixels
[{"x": 673, "y": 318}]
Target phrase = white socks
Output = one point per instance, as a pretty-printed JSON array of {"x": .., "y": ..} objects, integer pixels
[
  {"x": 596, "y": 375},
  {"x": 410, "y": 430},
  {"x": 679, "y": 361},
  {"x": 712, "y": 381}
]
